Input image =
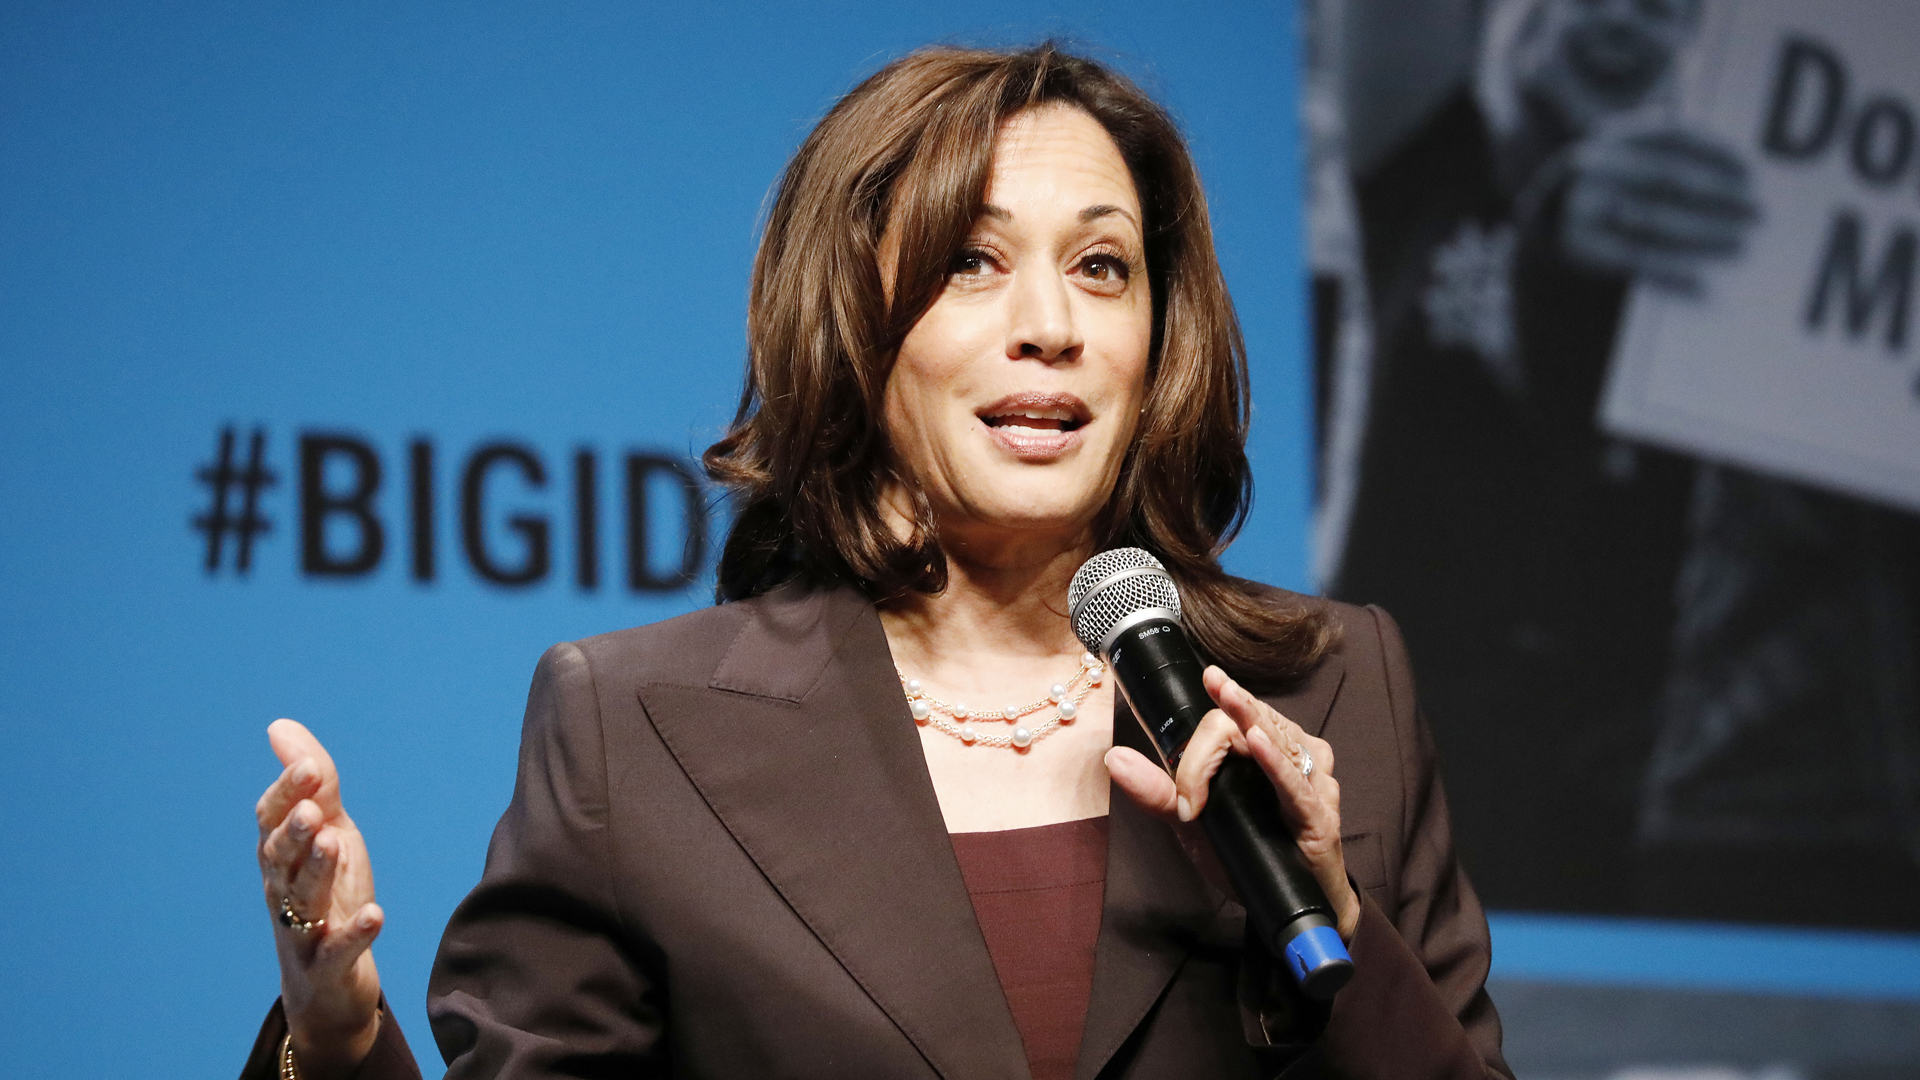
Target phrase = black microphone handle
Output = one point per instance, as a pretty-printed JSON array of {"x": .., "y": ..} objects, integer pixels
[{"x": 1159, "y": 673}]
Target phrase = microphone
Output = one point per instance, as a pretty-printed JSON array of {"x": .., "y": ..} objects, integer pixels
[{"x": 1124, "y": 607}]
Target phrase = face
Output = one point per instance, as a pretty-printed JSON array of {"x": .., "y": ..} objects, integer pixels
[
  {"x": 1014, "y": 398},
  {"x": 1600, "y": 56}
]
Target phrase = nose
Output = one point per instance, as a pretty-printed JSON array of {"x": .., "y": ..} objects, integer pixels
[{"x": 1040, "y": 324}]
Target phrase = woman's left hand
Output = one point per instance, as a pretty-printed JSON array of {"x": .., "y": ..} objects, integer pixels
[{"x": 1244, "y": 724}]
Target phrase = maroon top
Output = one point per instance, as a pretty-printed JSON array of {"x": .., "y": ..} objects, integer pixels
[{"x": 1037, "y": 893}]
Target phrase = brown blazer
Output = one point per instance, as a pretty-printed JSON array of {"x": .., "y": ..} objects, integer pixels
[{"x": 724, "y": 858}]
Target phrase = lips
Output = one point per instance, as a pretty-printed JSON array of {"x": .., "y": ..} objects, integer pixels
[{"x": 1036, "y": 426}]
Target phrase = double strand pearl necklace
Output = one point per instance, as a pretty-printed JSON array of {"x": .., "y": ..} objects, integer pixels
[{"x": 958, "y": 720}]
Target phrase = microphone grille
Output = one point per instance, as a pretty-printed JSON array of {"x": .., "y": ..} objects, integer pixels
[{"x": 1112, "y": 585}]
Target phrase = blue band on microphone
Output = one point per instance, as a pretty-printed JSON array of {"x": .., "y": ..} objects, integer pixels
[{"x": 1314, "y": 948}]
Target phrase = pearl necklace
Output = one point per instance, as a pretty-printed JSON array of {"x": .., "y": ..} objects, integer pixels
[{"x": 957, "y": 720}]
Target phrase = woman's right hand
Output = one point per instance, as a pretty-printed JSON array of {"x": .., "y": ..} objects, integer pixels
[{"x": 313, "y": 860}]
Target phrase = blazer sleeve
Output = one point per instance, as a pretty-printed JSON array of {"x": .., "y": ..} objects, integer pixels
[
  {"x": 1420, "y": 971},
  {"x": 390, "y": 1059},
  {"x": 1417, "y": 1006},
  {"x": 535, "y": 976}
]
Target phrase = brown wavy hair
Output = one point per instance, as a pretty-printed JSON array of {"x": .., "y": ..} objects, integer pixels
[{"x": 807, "y": 457}]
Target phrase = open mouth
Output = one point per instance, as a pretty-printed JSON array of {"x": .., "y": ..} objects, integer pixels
[{"x": 1036, "y": 414}]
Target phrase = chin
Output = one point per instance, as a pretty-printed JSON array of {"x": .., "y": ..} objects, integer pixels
[{"x": 1043, "y": 514}]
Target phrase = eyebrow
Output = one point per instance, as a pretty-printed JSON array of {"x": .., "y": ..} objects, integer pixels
[{"x": 1091, "y": 213}]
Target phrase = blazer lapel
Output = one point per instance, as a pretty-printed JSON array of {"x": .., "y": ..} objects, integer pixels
[
  {"x": 801, "y": 743},
  {"x": 1308, "y": 702},
  {"x": 1158, "y": 907}
]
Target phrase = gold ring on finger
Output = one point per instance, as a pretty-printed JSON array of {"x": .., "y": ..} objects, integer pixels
[{"x": 294, "y": 922}]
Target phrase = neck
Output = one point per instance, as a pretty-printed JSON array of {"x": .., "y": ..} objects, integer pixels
[
  {"x": 995, "y": 638},
  {"x": 1012, "y": 607}
]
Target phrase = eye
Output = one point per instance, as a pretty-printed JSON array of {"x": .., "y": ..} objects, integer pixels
[
  {"x": 1104, "y": 270},
  {"x": 969, "y": 262}
]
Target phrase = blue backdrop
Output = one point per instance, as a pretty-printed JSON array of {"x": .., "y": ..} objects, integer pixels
[{"x": 518, "y": 227}]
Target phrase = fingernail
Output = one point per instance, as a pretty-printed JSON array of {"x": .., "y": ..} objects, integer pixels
[
  {"x": 303, "y": 774},
  {"x": 319, "y": 853},
  {"x": 1185, "y": 809},
  {"x": 298, "y": 825},
  {"x": 365, "y": 920}
]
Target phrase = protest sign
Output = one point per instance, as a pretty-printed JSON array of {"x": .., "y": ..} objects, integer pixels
[{"x": 1799, "y": 359}]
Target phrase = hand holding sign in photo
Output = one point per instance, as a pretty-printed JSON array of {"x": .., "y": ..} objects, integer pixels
[{"x": 1659, "y": 204}]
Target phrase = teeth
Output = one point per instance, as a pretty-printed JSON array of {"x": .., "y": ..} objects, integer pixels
[{"x": 1040, "y": 419}]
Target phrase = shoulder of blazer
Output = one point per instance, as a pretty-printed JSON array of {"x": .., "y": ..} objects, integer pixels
[
  {"x": 775, "y": 645},
  {"x": 1360, "y": 629},
  {"x": 1310, "y": 699}
]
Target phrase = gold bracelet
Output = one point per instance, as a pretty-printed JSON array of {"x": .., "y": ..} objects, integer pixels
[{"x": 287, "y": 1071}]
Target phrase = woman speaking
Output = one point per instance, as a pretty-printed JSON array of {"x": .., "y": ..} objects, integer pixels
[{"x": 859, "y": 818}]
